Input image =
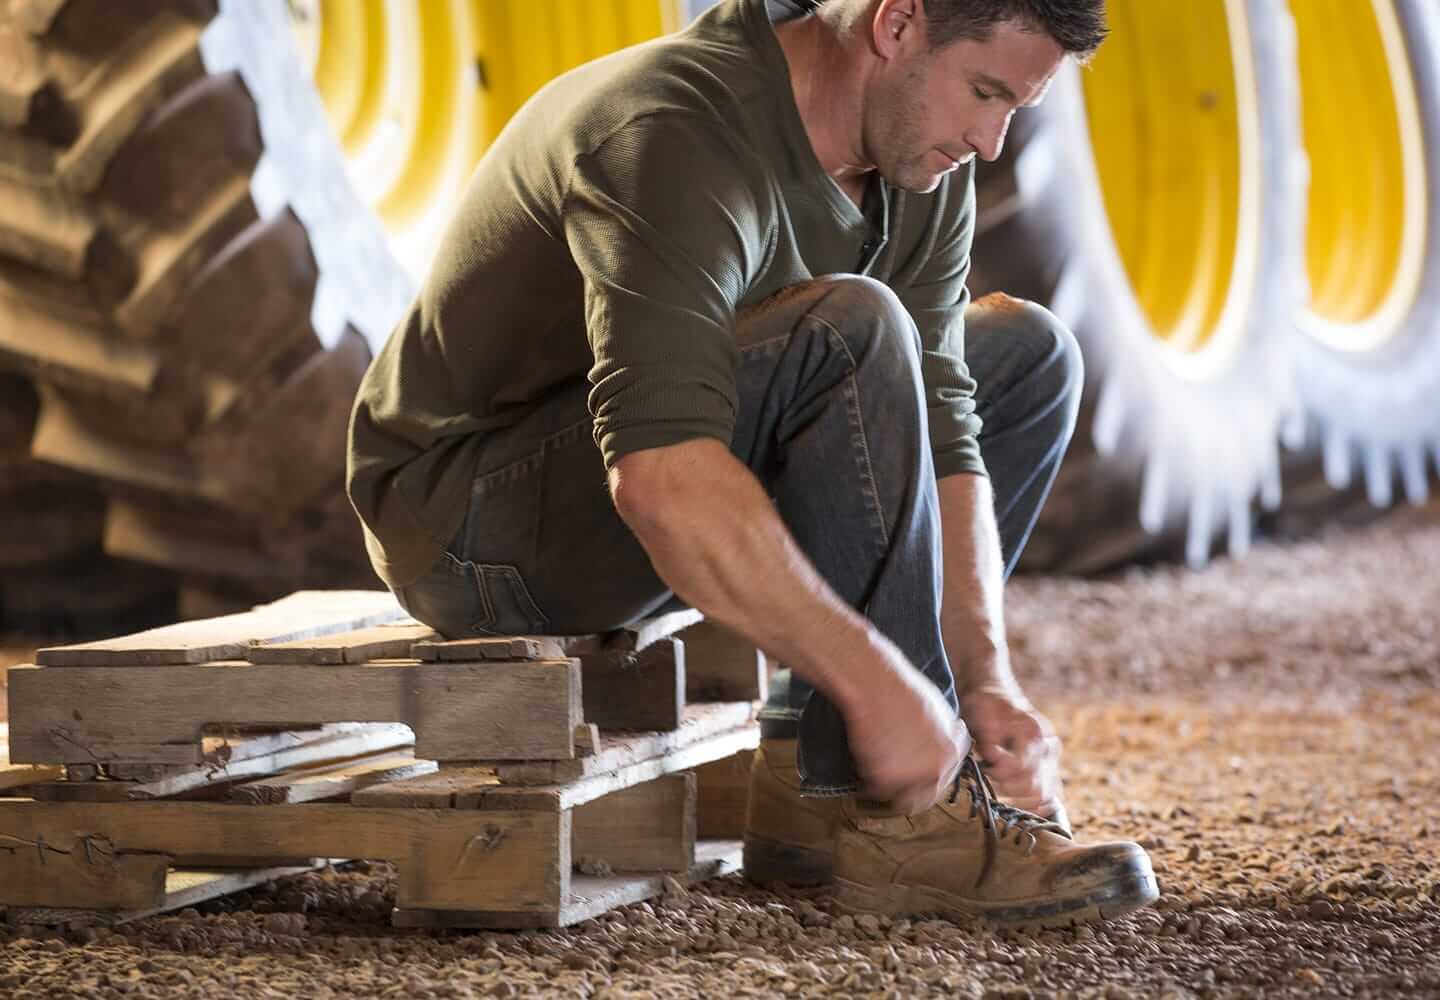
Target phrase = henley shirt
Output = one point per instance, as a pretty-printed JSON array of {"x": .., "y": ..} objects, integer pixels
[{"x": 612, "y": 232}]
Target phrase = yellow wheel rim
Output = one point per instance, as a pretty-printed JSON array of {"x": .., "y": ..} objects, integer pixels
[
  {"x": 416, "y": 90},
  {"x": 1363, "y": 131},
  {"x": 1172, "y": 115}
]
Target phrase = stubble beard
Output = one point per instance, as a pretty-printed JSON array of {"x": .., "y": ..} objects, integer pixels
[{"x": 896, "y": 142}]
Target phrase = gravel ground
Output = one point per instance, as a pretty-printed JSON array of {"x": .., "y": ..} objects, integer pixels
[{"x": 1268, "y": 729}]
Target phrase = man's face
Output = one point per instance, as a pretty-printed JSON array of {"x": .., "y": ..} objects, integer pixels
[{"x": 932, "y": 111}]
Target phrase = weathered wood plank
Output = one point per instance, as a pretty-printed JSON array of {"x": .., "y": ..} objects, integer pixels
[
  {"x": 18, "y": 775},
  {"x": 302, "y": 615},
  {"x": 448, "y": 858},
  {"x": 512, "y": 647},
  {"x": 622, "y": 749},
  {"x": 428, "y": 791},
  {"x": 589, "y": 895},
  {"x": 351, "y": 742},
  {"x": 480, "y": 788},
  {"x": 390, "y": 640},
  {"x": 183, "y": 887},
  {"x": 311, "y": 784},
  {"x": 637, "y": 637},
  {"x": 722, "y": 794},
  {"x": 502, "y": 711},
  {"x": 721, "y": 665},
  {"x": 635, "y": 691},
  {"x": 644, "y": 828},
  {"x": 217, "y": 749}
]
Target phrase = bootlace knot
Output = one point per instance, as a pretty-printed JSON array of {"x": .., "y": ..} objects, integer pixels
[{"x": 997, "y": 818}]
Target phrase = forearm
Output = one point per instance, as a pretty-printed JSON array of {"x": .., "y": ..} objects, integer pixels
[
  {"x": 715, "y": 538},
  {"x": 972, "y": 608}
]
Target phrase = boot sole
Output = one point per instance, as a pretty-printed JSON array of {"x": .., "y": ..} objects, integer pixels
[
  {"x": 769, "y": 861},
  {"x": 1106, "y": 902}
]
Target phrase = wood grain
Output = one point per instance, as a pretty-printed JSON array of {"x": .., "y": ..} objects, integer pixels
[
  {"x": 311, "y": 784},
  {"x": 589, "y": 895},
  {"x": 644, "y": 828},
  {"x": 448, "y": 858},
  {"x": 501, "y": 711},
  {"x": 302, "y": 615},
  {"x": 390, "y": 640},
  {"x": 635, "y": 691},
  {"x": 721, "y": 665}
]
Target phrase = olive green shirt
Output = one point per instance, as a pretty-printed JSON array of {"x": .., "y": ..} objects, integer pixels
[{"x": 611, "y": 233}]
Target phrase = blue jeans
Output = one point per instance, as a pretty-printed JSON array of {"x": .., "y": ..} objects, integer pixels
[{"x": 832, "y": 421}]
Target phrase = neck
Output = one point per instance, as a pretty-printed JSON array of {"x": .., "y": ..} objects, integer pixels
[{"x": 828, "y": 93}]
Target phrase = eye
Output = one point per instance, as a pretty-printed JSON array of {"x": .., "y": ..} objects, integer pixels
[{"x": 982, "y": 95}]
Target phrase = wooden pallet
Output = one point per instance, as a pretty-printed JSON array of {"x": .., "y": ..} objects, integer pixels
[
  {"x": 312, "y": 727},
  {"x": 317, "y": 658},
  {"x": 470, "y": 849}
]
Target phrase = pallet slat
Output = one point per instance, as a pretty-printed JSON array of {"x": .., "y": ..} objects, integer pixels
[
  {"x": 448, "y": 858},
  {"x": 183, "y": 887},
  {"x": 503, "y": 711},
  {"x": 311, "y": 784},
  {"x": 589, "y": 896},
  {"x": 302, "y": 615},
  {"x": 391, "y": 640}
]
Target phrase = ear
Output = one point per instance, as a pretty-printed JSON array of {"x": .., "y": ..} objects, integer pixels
[{"x": 896, "y": 25}]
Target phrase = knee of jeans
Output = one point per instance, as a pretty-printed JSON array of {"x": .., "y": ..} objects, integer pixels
[
  {"x": 871, "y": 319},
  {"x": 1061, "y": 372}
]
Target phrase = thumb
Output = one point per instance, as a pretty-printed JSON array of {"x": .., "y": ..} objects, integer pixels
[{"x": 999, "y": 762}]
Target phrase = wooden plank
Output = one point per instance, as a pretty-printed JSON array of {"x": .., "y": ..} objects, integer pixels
[
  {"x": 589, "y": 895},
  {"x": 353, "y": 742},
  {"x": 448, "y": 858},
  {"x": 644, "y": 828},
  {"x": 390, "y": 640},
  {"x": 226, "y": 744},
  {"x": 503, "y": 711},
  {"x": 18, "y": 775},
  {"x": 622, "y": 749},
  {"x": 514, "y": 647},
  {"x": 311, "y": 784},
  {"x": 89, "y": 871},
  {"x": 722, "y": 795},
  {"x": 183, "y": 887},
  {"x": 76, "y": 791},
  {"x": 481, "y": 788},
  {"x": 302, "y": 615},
  {"x": 635, "y": 691},
  {"x": 721, "y": 665},
  {"x": 637, "y": 637}
]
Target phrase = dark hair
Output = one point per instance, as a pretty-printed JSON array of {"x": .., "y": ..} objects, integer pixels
[{"x": 1078, "y": 26}]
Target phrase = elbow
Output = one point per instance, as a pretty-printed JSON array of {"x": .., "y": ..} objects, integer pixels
[{"x": 641, "y": 488}]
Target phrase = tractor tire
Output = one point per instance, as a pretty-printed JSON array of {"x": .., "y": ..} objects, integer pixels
[
  {"x": 1367, "y": 354},
  {"x": 1175, "y": 443},
  {"x": 190, "y": 292}
]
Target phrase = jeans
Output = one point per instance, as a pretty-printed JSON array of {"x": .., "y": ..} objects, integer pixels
[{"x": 832, "y": 422}]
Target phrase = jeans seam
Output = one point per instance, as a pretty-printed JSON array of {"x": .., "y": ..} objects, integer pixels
[
  {"x": 512, "y": 471},
  {"x": 858, "y": 439}
]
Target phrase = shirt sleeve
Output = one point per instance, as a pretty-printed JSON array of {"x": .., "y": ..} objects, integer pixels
[
  {"x": 664, "y": 226},
  {"x": 936, "y": 298}
]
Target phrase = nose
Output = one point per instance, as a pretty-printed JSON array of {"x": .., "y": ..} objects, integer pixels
[{"x": 988, "y": 139}]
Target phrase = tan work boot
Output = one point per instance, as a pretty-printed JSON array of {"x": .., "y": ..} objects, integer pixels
[
  {"x": 975, "y": 856},
  {"x": 787, "y": 838}
]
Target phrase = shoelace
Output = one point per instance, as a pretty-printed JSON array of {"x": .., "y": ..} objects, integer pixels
[{"x": 996, "y": 817}]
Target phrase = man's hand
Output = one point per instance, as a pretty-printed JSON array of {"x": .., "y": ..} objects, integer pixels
[
  {"x": 907, "y": 742},
  {"x": 1018, "y": 746}
]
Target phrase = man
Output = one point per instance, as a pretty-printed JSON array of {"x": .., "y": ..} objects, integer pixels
[{"x": 722, "y": 274}]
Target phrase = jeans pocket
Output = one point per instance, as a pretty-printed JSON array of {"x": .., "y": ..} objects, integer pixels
[
  {"x": 449, "y": 598},
  {"x": 512, "y": 610},
  {"x": 459, "y": 598}
]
